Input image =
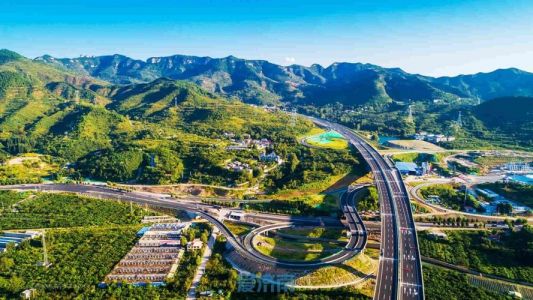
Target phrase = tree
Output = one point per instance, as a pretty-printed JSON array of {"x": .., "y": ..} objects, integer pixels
[
  {"x": 204, "y": 237},
  {"x": 15, "y": 284},
  {"x": 6, "y": 263},
  {"x": 258, "y": 172},
  {"x": 293, "y": 162},
  {"x": 504, "y": 208},
  {"x": 370, "y": 201}
]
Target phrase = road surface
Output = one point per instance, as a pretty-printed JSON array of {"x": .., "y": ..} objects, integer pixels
[
  {"x": 400, "y": 267},
  {"x": 355, "y": 245},
  {"x": 191, "y": 294},
  {"x": 204, "y": 210}
]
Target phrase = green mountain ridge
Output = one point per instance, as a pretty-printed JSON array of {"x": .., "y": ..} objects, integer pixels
[{"x": 259, "y": 81}]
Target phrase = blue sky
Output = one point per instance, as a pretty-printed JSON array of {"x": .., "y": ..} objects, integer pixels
[{"x": 445, "y": 37}]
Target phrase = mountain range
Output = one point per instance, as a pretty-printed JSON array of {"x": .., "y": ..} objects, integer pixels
[
  {"x": 262, "y": 82},
  {"x": 57, "y": 106}
]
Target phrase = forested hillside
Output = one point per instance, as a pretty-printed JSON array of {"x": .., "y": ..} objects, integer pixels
[
  {"x": 512, "y": 116},
  {"x": 164, "y": 131},
  {"x": 259, "y": 81},
  {"x": 363, "y": 96}
]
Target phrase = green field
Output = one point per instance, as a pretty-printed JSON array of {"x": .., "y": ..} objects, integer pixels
[
  {"x": 8, "y": 198},
  {"x": 317, "y": 232},
  {"x": 80, "y": 259},
  {"x": 318, "y": 205},
  {"x": 350, "y": 271},
  {"x": 27, "y": 168},
  {"x": 293, "y": 250},
  {"x": 443, "y": 284},
  {"x": 238, "y": 228},
  {"x": 417, "y": 157}
]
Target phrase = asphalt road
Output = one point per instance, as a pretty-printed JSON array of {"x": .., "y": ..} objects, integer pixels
[
  {"x": 443, "y": 210},
  {"x": 400, "y": 268},
  {"x": 205, "y": 211},
  {"x": 355, "y": 245}
]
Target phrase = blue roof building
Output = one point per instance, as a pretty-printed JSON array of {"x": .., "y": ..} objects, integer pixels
[
  {"x": 407, "y": 168},
  {"x": 15, "y": 238}
]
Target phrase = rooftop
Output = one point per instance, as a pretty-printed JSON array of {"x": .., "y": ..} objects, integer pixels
[{"x": 406, "y": 166}]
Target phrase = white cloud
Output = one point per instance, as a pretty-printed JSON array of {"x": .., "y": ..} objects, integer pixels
[{"x": 290, "y": 59}]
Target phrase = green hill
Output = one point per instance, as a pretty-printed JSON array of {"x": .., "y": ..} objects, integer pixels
[
  {"x": 509, "y": 116},
  {"x": 167, "y": 131},
  {"x": 151, "y": 132},
  {"x": 34, "y": 97},
  {"x": 7, "y": 56}
]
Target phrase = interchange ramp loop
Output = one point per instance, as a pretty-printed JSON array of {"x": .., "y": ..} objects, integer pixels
[{"x": 355, "y": 245}]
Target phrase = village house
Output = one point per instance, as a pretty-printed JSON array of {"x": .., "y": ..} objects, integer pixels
[{"x": 196, "y": 244}]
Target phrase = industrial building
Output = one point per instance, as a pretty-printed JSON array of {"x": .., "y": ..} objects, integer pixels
[{"x": 410, "y": 168}]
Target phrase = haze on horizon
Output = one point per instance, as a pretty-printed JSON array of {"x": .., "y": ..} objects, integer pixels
[{"x": 432, "y": 37}]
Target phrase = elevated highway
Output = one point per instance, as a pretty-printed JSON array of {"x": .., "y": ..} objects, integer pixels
[
  {"x": 400, "y": 266},
  {"x": 356, "y": 242},
  {"x": 354, "y": 246}
]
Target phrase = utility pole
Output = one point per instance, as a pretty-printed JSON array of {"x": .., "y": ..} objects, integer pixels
[
  {"x": 45, "y": 263},
  {"x": 293, "y": 117},
  {"x": 459, "y": 120},
  {"x": 45, "y": 256},
  {"x": 410, "y": 114}
]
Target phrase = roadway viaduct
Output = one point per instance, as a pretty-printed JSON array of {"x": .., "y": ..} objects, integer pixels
[
  {"x": 355, "y": 244},
  {"x": 400, "y": 267}
]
